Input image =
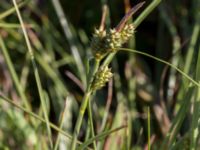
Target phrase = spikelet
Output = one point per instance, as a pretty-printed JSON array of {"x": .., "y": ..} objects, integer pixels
[
  {"x": 102, "y": 76},
  {"x": 105, "y": 42},
  {"x": 113, "y": 40},
  {"x": 127, "y": 32},
  {"x": 98, "y": 43}
]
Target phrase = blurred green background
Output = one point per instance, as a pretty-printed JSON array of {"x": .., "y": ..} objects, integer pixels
[{"x": 60, "y": 39}]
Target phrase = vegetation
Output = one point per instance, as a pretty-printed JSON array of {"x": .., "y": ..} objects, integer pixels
[{"x": 102, "y": 75}]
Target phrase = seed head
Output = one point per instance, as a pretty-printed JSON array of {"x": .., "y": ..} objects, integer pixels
[
  {"x": 105, "y": 42},
  {"x": 102, "y": 76},
  {"x": 127, "y": 32},
  {"x": 98, "y": 43},
  {"x": 113, "y": 40}
]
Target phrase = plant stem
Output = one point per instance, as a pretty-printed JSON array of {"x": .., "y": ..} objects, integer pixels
[
  {"x": 146, "y": 12},
  {"x": 61, "y": 125},
  {"x": 91, "y": 123},
  {"x": 191, "y": 48},
  {"x": 79, "y": 120},
  {"x": 100, "y": 136},
  {"x": 14, "y": 76},
  {"x": 164, "y": 62},
  {"x": 83, "y": 107},
  {"x": 69, "y": 36},
  {"x": 149, "y": 128},
  {"x": 12, "y": 10}
]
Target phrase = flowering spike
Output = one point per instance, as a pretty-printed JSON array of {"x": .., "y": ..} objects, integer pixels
[
  {"x": 105, "y": 42},
  {"x": 127, "y": 32},
  {"x": 102, "y": 76}
]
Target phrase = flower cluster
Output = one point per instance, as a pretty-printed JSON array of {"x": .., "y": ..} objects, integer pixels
[
  {"x": 98, "y": 43},
  {"x": 102, "y": 76},
  {"x": 104, "y": 42},
  {"x": 127, "y": 32}
]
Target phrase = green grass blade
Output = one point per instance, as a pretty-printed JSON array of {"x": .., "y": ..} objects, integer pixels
[
  {"x": 12, "y": 10},
  {"x": 198, "y": 66},
  {"x": 53, "y": 126},
  {"x": 196, "y": 105},
  {"x": 84, "y": 103},
  {"x": 14, "y": 75},
  {"x": 66, "y": 28},
  {"x": 164, "y": 62},
  {"x": 178, "y": 120},
  {"x": 149, "y": 128},
  {"x": 176, "y": 46},
  {"x": 146, "y": 12},
  {"x": 99, "y": 137},
  {"x": 190, "y": 51},
  {"x": 196, "y": 113},
  {"x": 61, "y": 125},
  {"x": 36, "y": 73},
  {"x": 91, "y": 123},
  {"x": 13, "y": 25}
]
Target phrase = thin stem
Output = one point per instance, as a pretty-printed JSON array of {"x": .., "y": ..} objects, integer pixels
[
  {"x": 190, "y": 51},
  {"x": 12, "y": 10},
  {"x": 105, "y": 116},
  {"x": 14, "y": 76},
  {"x": 36, "y": 73},
  {"x": 84, "y": 106},
  {"x": 149, "y": 128},
  {"x": 91, "y": 123},
  {"x": 165, "y": 62},
  {"x": 61, "y": 125},
  {"x": 176, "y": 46},
  {"x": 79, "y": 120},
  {"x": 87, "y": 134},
  {"x": 196, "y": 111},
  {"x": 146, "y": 12},
  {"x": 92, "y": 74},
  {"x": 100, "y": 136},
  {"x": 108, "y": 59},
  {"x": 68, "y": 34},
  {"x": 13, "y": 25},
  {"x": 108, "y": 104}
]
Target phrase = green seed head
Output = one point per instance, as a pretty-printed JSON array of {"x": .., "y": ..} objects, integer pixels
[
  {"x": 127, "y": 32},
  {"x": 101, "y": 78},
  {"x": 113, "y": 40},
  {"x": 105, "y": 42},
  {"x": 98, "y": 44}
]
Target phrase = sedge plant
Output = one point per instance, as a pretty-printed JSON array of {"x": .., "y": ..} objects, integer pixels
[{"x": 105, "y": 45}]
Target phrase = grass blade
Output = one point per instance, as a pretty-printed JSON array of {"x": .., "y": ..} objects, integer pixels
[
  {"x": 61, "y": 125},
  {"x": 91, "y": 123},
  {"x": 36, "y": 73},
  {"x": 66, "y": 28},
  {"x": 53, "y": 126},
  {"x": 165, "y": 62},
  {"x": 100, "y": 136},
  {"x": 196, "y": 113},
  {"x": 12, "y": 10},
  {"x": 149, "y": 128},
  {"x": 13, "y": 74}
]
